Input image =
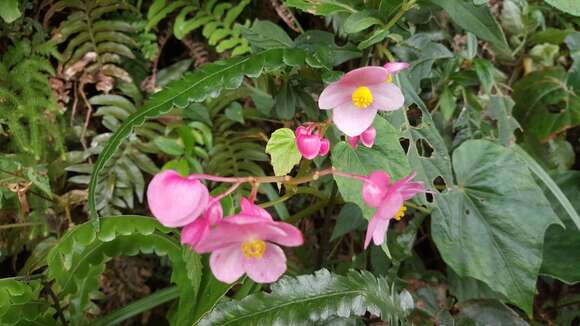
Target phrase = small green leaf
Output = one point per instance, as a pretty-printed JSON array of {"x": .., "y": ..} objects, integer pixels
[
  {"x": 169, "y": 146},
  {"x": 283, "y": 151},
  {"x": 349, "y": 219},
  {"x": 9, "y": 10},
  {"x": 234, "y": 112},
  {"x": 267, "y": 35},
  {"x": 359, "y": 22}
]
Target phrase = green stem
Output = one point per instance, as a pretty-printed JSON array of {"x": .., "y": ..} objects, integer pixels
[
  {"x": 418, "y": 207},
  {"x": 18, "y": 225}
]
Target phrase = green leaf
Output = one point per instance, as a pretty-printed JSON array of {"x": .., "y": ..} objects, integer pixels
[
  {"x": 323, "y": 7},
  {"x": 283, "y": 151},
  {"x": 487, "y": 312},
  {"x": 562, "y": 245},
  {"x": 169, "y": 146},
  {"x": 550, "y": 184},
  {"x": 20, "y": 304},
  {"x": 9, "y": 10},
  {"x": 286, "y": 102},
  {"x": 500, "y": 109},
  {"x": 568, "y": 6},
  {"x": 135, "y": 308},
  {"x": 377, "y": 36},
  {"x": 308, "y": 299},
  {"x": 350, "y": 218},
  {"x": 491, "y": 225},
  {"x": 266, "y": 35},
  {"x": 386, "y": 155},
  {"x": 208, "y": 80},
  {"x": 359, "y": 22},
  {"x": 545, "y": 104},
  {"x": 477, "y": 20},
  {"x": 234, "y": 112}
]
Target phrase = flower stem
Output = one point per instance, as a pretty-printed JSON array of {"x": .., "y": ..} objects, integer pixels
[{"x": 279, "y": 179}]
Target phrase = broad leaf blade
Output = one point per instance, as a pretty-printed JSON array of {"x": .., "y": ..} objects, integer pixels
[{"x": 491, "y": 225}]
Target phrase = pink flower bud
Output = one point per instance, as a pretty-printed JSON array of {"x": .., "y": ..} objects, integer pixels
[
  {"x": 176, "y": 201},
  {"x": 302, "y": 131},
  {"x": 353, "y": 141},
  {"x": 368, "y": 137},
  {"x": 395, "y": 67},
  {"x": 324, "y": 147},
  {"x": 308, "y": 145}
]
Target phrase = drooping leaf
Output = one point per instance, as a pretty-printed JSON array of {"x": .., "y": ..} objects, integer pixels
[
  {"x": 562, "y": 246},
  {"x": 477, "y": 20},
  {"x": 491, "y": 225},
  {"x": 308, "y": 299},
  {"x": 386, "y": 155},
  {"x": 283, "y": 151},
  {"x": 567, "y": 6}
]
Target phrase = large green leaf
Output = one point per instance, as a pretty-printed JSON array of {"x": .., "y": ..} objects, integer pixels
[
  {"x": 562, "y": 246},
  {"x": 77, "y": 261},
  {"x": 427, "y": 152},
  {"x": 478, "y": 20},
  {"x": 283, "y": 151},
  {"x": 570, "y": 6},
  {"x": 386, "y": 155},
  {"x": 207, "y": 81},
  {"x": 487, "y": 312},
  {"x": 491, "y": 225},
  {"x": 307, "y": 299}
]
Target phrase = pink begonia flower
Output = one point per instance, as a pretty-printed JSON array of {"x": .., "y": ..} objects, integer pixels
[
  {"x": 175, "y": 200},
  {"x": 388, "y": 198},
  {"x": 195, "y": 232},
  {"x": 357, "y": 97},
  {"x": 310, "y": 144},
  {"x": 367, "y": 138},
  {"x": 248, "y": 243}
]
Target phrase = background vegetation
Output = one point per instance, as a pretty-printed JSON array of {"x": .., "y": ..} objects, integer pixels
[{"x": 122, "y": 89}]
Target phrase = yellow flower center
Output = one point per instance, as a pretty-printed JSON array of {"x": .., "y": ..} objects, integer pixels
[
  {"x": 400, "y": 213},
  {"x": 254, "y": 248},
  {"x": 362, "y": 97},
  {"x": 389, "y": 78}
]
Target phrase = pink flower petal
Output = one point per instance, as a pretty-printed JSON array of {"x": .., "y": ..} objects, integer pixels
[
  {"x": 353, "y": 141},
  {"x": 174, "y": 200},
  {"x": 269, "y": 267},
  {"x": 227, "y": 263},
  {"x": 227, "y": 233},
  {"x": 375, "y": 189},
  {"x": 308, "y": 145},
  {"x": 351, "y": 120},
  {"x": 380, "y": 221},
  {"x": 324, "y": 147},
  {"x": 194, "y": 232},
  {"x": 365, "y": 76},
  {"x": 368, "y": 137},
  {"x": 376, "y": 226},
  {"x": 249, "y": 208},
  {"x": 386, "y": 97},
  {"x": 292, "y": 236},
  {"x": 335, "y": 95},
  {"x": 395, "y": 67}
]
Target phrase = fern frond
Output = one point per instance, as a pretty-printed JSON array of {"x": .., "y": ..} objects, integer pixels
[{"x": 307, "y": 299}]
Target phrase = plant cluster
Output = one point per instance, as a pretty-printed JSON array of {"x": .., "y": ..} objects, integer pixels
[{"x": 295, "y": 162}]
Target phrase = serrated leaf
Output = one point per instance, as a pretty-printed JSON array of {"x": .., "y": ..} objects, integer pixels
[
  {"x": 283, "y": 151},
  {"x": 308, "y": 299},
  {"x": 491, "y": 225}
]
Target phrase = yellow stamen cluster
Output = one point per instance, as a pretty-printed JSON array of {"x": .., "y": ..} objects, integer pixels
[
  {"x": 400, "y": 213},
  {"x": 362, "y": 97},
  {"x": 389, "y": 78},
  {"x": 253, "y": 249}
]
